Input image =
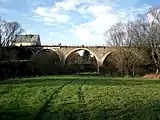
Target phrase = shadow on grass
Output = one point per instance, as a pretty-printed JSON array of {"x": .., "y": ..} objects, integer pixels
[
  {"x": 88, "y": 80},
  {"x": 134, "y": 111},
  {"x": 17, "y": 115}
]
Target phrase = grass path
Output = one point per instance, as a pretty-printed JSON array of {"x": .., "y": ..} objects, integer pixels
[
  {"x": 83, "y": 112},
  {"x": 45, "y": 106}
]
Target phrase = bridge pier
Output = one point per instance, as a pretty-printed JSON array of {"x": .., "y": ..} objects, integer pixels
[{"x": 99, "y": 63}]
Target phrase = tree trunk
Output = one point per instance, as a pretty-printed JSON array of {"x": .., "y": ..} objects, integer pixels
[
  {"x": 157, "y": 71},
  {"x": 155, "y": 61},
  {"x": 133, "y": 72},
  {"x": 127, "y": 69}
]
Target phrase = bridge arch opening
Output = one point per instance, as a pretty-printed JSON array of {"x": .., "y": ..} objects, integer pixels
[
  {"x": 46, "y": 62},
  {"x": 54, "y": 52},
  {"x": 29, "y": 52},
  {"x": 22, "y": 53},
  {"x": 121, "y": 62},
  {"x": 109, "y": 62},
  {"x": 81, "y": 60}
]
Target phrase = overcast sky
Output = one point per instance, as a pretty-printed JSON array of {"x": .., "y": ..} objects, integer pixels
[{"x": 71, "y": 22}]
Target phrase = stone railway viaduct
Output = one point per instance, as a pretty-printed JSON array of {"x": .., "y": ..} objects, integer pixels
[{"x": 100, "y": 52}]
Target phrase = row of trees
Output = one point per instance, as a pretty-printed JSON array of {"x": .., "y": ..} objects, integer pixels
[{"x": 138, "y": 41}]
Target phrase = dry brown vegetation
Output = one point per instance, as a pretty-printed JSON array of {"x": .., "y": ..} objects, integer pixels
[{"x": 152, "y": 76}]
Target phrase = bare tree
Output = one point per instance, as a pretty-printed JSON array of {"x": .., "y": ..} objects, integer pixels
[
  {"x": 116, "y": 36},
  {"x": 142, "y": 34},
  {"x": 123, "y": 36},
  {"x": 8, "y": 30},
  {"x": 148, "y": 28}
]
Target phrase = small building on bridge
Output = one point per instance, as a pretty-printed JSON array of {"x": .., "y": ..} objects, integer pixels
[{"x": 26, "y": 40}]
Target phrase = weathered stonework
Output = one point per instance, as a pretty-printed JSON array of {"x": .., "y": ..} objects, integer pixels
[{"x": 100, "y": 52}]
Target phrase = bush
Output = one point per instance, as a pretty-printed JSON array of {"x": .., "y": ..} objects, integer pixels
[{"x": 12, "y": 70}]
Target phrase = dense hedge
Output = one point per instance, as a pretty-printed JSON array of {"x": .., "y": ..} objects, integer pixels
[
  {"x": 26, "y": 69},
  {"x": 12, "y": 70}
]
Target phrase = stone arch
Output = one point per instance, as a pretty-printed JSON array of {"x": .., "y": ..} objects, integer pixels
[
  {"x": 77, "y": 49},
  {"x": 111, "y": 67},
  {"x": 90, "y": 51},
  {"x": 109, "y": 53},
  {"x": 52, "y": 50},
  {"x": 106, "y": 55}
]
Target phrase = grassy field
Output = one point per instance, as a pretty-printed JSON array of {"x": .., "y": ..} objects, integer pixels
[{"x": 80, "y": 98}]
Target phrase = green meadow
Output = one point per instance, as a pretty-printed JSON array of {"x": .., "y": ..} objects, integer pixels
[{"x": 80, "y": 98}]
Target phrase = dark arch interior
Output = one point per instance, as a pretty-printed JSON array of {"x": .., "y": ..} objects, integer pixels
[
  {"x": 121, "y": 63},
  {"x": 48, "y": 55},
  {"x": 109, "y": 64},
  {"x": 21, "y": 53},
  {"x": 28, "y": 54},
  {"x": 81, "y": 61},
  {"x": 46, "y": 62}
]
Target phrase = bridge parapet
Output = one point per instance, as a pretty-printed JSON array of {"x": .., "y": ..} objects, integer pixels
[{"x": 100, "y": 52}]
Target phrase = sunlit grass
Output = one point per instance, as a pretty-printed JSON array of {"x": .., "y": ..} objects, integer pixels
[{"x": 80, "y": 97}]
